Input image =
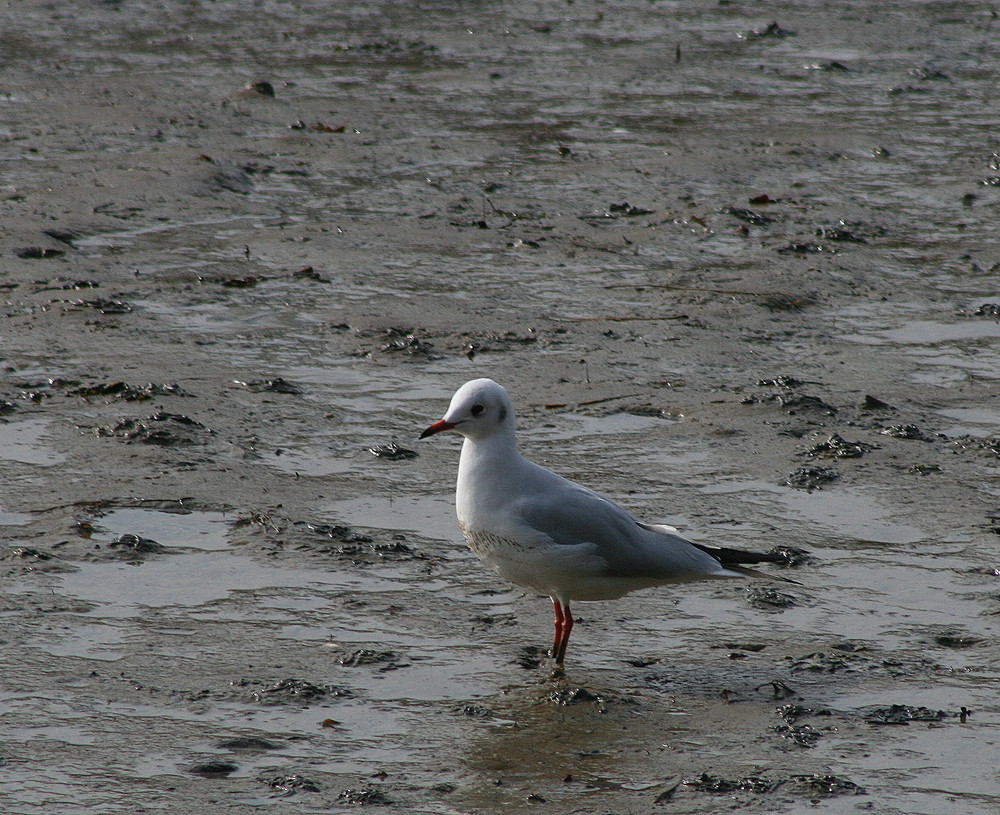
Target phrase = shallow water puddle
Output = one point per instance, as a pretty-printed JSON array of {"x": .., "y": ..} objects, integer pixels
[
  {"x": 313, "y": 458},
  {"x": 160, "y": 600},
  {"x": 126, "y": 236},
  {"x": 949, "y": 758},
  {"x": 574, "y": 426},
  {"x": 49, "y": 718},
  {"x": 14, "y": 518},
  {"x": 953, "y": 367},
  {"x": 951, "y": 350},
  {"x": 206, "y": 531},
  {"x": 847, "y": 513},
  {"x": 357, "y": 403},
  {"x": 205, "y": 569},
  {"x": 24, "y": 442},
  {"x": 201, "y": 575},
  {"x": 930, "y": 332},
  {"x": 59, "y": 788},
  {"x": 980, "y": 422},
  {"x": 430, "y": 516},
  {"x": 197, "y": 570},
  {"x": 895, "y": 585}
]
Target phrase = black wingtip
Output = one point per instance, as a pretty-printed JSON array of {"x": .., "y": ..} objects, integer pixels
[{"x": 785, "y": 555}]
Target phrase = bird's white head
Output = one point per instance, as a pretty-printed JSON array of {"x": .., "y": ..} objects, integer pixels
[{"x": 479, "y": 409}]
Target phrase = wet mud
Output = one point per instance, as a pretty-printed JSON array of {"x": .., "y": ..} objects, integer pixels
[{"x": 738, "y": 270}]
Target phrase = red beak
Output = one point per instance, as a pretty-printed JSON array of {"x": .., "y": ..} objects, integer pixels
[{"x": 437, "y": 427}]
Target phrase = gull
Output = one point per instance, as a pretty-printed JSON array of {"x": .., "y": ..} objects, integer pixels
[{"x": 543, "y": 532}]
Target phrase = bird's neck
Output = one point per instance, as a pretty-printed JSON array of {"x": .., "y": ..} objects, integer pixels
[
  {"x": 496, "y": 450},
  {"x": 485, "y": 468}
]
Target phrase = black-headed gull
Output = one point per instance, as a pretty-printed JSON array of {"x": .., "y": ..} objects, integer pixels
[{"x": 545, "y": 533}]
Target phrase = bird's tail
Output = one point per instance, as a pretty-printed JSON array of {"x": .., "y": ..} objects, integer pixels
[{"x": 736, "y": 560}]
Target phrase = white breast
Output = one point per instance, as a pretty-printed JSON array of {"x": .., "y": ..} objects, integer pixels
[{"x": 566, "y": 572}]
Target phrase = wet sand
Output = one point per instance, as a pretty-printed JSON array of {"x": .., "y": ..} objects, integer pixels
[{"x": 738, "y": 272}]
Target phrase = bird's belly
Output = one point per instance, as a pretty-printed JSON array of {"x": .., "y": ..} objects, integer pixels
[
  {"x": 566, "y": 572},
  {"x": 504, "y": 555}
]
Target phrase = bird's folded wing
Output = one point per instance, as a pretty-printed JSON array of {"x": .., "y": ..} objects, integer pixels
[{"x": 575, "y": 515}]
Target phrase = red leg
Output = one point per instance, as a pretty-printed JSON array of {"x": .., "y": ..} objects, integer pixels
[
  {"x": 559, "y": 622},
  {"x": 564, "y": 625}
]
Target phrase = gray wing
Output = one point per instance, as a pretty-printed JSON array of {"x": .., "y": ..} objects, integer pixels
[{"x": 572, "y": 514}]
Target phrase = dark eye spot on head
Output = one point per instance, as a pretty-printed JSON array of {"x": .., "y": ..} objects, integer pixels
[
  {"x": 503, "y": 412},
  {"x": 476, "y": 410}
]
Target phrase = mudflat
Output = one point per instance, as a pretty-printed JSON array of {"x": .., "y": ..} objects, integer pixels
[{"x": 739, "y": 271}]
